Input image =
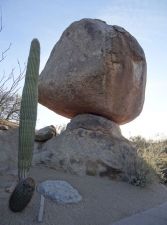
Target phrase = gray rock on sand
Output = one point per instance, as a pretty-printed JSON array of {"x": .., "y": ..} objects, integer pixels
[
  {"x": 95, "y": 68},
  {"x": 59, "y": 191}
]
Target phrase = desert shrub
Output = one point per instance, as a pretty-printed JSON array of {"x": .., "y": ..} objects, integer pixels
[
  {"x": 9, "y": 87},
  {"x": 138, "y": 172},
  {"x": 154, "y": 153},
  {"x": 139, "y": 142},
  {"x": 135, "y": 169}
]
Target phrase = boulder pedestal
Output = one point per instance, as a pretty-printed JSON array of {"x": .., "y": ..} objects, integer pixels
[{"x": 92, "y": 145}]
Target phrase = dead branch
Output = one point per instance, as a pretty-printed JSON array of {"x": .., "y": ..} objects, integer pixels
[
  {"x": 9, "y": 99},
  {"x": 0, "y": 19},
  {"x": 9, "y": 87},
  {"x": 3, "y": 54}
]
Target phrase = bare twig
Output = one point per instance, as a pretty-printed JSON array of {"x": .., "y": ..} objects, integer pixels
[
  {"x": 9, "y": 87},
  {"x": 3, "y": 54},
  {"x": 9, "y": 99},
  {"x": 0, "y": 19}
]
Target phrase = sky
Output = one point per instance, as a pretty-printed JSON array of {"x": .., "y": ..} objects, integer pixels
[{"x": 146, "y": 20}]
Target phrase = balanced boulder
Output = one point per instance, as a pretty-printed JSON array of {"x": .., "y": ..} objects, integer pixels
[{"x": 95, "y": 68}]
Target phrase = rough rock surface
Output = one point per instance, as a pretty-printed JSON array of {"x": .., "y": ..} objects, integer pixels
[
  {"x": 59, "y": 191},
  {"x": 9, "y": 151},
  {"x": 91, "y": 145},
  {"x": 95, "y": 68},
  {"x": 45, "y": 133}
]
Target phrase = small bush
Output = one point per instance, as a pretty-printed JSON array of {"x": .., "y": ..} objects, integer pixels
[
  {"x": 135, "y": 169},
  {"x": 154, "y": 153},
  {"x": 139, "y": 173}
]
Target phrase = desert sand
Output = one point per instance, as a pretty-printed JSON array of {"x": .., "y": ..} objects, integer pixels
[{"x": 104, "y": 201}]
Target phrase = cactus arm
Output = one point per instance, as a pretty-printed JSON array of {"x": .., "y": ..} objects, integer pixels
[{"x": 28, "y": 111}]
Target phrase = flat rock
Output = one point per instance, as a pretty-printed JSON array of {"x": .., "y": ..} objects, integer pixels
[
  {"x": 95, "y": 68},
  {"x": 59, "y": 191}
]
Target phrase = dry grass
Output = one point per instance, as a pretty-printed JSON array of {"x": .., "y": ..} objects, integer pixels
[
  {"x": 154, "y": 153},
  {"x": 139, "y": 173},
  {"x": 10, "y": 124}
]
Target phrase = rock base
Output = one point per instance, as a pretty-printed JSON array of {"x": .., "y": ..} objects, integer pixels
[{"x": 91, "y": 145}]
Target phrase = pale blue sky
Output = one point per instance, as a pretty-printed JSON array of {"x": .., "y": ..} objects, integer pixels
[{"x": 46, "y": 20}]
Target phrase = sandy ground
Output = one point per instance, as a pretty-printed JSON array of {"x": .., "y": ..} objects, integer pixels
[{"x": 104, "y": 201}]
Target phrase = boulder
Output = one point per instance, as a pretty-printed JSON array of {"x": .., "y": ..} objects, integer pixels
[
  {"x": 93, "y": 145},
  {"x": 45, "y": 133},
  {"x": 95, "y": 68},
  {"x": 90, "y": 145}
]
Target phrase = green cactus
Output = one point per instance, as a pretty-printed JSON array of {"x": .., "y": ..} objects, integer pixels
[
  {"x": 28, "y": 111},
  {"x": 24, "y": 190}
]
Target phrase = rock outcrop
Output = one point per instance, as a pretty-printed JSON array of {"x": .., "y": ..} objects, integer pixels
[
  {"x": 91, "y": 145},
  {"x": 8, "y": 149},
  {"x": 95, "y": 68}
]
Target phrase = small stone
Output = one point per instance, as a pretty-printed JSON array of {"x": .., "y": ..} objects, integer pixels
[
  {"x": 45, "y": 133},
  {"x": 59, "y": 191}
]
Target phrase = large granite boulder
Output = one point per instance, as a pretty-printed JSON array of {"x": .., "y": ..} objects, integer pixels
[{"x": 95, "y": 68}]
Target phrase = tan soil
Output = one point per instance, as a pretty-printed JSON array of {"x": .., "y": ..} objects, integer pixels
[{"x": 104, "y": 201}]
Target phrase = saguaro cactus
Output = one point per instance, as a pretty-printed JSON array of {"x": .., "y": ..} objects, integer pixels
[
  {"x": 24, "y": 190},
  {"x": 28, "y": 111}
]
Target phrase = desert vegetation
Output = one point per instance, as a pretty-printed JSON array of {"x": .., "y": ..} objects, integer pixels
[
  {"x": 154, "y": 153},
  {"x": 10, "y": 98}
]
